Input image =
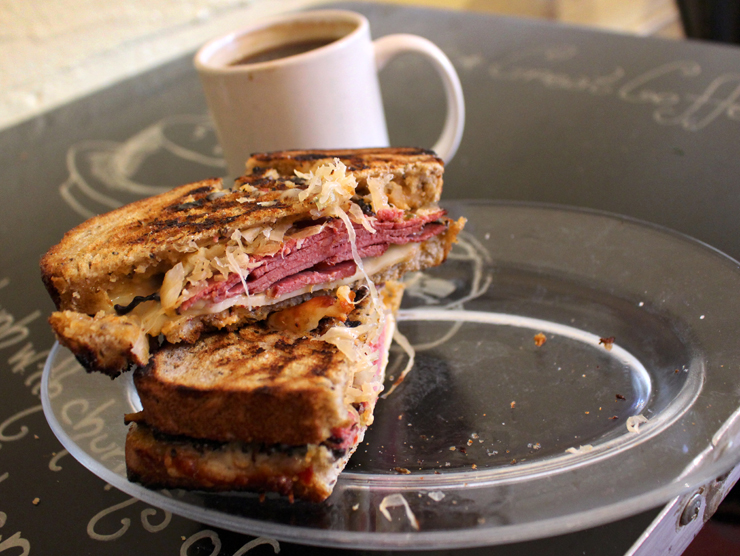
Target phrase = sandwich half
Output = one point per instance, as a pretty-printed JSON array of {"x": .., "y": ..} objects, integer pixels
[
  {"x": 264, "y": 408},
  {"x": 200, "y": 258}
]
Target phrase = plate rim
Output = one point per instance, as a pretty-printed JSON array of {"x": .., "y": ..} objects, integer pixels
[{"x": 464, "y": 538}]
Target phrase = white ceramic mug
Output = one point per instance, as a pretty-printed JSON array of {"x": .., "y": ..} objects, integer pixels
[{"x": 326, "y": 97}]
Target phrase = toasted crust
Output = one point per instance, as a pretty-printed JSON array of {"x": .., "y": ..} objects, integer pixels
[
  {"x": 149, "y": 235},
  {"x": 162, "y": 461},
  {"x": 417, "y": 172},
  {"x": 254, "y": 385},
  {"x": 106, "y": 343}
]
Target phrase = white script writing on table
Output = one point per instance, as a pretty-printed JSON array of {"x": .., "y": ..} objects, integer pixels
[
  {"x": 145, "y": 515},
  {"x": 23, "y": 431},
  {"x": 713, "y": 97},
  {"x": 14, "y": 541},
  {"x": 12, "y": 333},
  {"x": 126, "y": 522},
  {"x": 88, "y": 425},
  {"x": 215, "y": 541}
]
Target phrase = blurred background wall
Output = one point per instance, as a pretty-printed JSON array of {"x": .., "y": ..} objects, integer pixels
[{"x": 52, "y": 51}]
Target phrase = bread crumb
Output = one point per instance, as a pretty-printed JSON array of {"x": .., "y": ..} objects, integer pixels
[
  {"x": 539, "y": 339},
  {"x": 513, "y": 405},
  {"x": 36, "y": 501},
  {"x": 607, "y": 342}
]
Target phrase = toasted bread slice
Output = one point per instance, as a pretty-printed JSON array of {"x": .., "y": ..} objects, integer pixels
[
  {"x": 157, "y": 460},
  {"x": 260, "y": 410},
  {"x": 417, "y": 173},
  {"x": 253, "y": 385},
  {"x": 258, "y": 384},
  {"x": 148, "y": 236}
]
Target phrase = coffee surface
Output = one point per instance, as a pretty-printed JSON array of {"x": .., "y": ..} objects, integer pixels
[{"x": 282, "y": 51}]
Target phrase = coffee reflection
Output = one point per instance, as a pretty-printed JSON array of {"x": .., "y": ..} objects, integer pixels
[{"x": 282, "y": 51}]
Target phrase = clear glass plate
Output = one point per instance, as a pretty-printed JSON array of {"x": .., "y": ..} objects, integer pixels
[{"x": 492, "y": 438}]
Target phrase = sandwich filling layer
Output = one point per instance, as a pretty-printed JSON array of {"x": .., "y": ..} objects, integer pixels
[{"x": 265, "y": 265}]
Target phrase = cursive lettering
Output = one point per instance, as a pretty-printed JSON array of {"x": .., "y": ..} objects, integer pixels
[
  {"x": 594, "y": 84},
  {"x": 216, "y": 543},
  {"x": 54, "y": 462},
  {"x": 60, "y": 370},
  {"x": 634, "y": 92},
  {"x": 25, "y": 357},
  {"x": 92, "y": 420},
  {"x": 205, "y": 534},
  {"x": 15, "y": 541},
  {"x": 91, "y": 426},
  {"x": 692, "y": 111},
  {"x": 256, "y": 542},
  {"x": 704, "y": 109},
  {"x": 125, "y": 522},
  {"x": 149, "y": 526},
  {"x": 17, "y": 417},
  {"x": 12, "y": 332}
]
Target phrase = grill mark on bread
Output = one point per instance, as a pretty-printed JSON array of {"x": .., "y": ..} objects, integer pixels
[
  {"x": 204, "y": 189},
  {"x": 321, "y": 366},
  {"x": 301, "y": 380},
  {"x": 282, "y": 345}
]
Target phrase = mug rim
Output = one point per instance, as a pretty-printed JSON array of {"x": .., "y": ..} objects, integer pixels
[{"x": 206, "y": 52}]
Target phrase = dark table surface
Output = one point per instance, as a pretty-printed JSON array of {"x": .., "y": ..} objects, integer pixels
[{"x": 643, "y": 127}]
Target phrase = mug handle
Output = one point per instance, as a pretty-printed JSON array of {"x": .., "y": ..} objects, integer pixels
[{"x": 389, "y": 46}]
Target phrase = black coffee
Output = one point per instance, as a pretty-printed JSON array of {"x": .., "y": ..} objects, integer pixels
[{"x": 282, "y": 51}]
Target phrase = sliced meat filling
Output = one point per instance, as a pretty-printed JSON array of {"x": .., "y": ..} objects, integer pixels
[{"x": 323, "y": 257}]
